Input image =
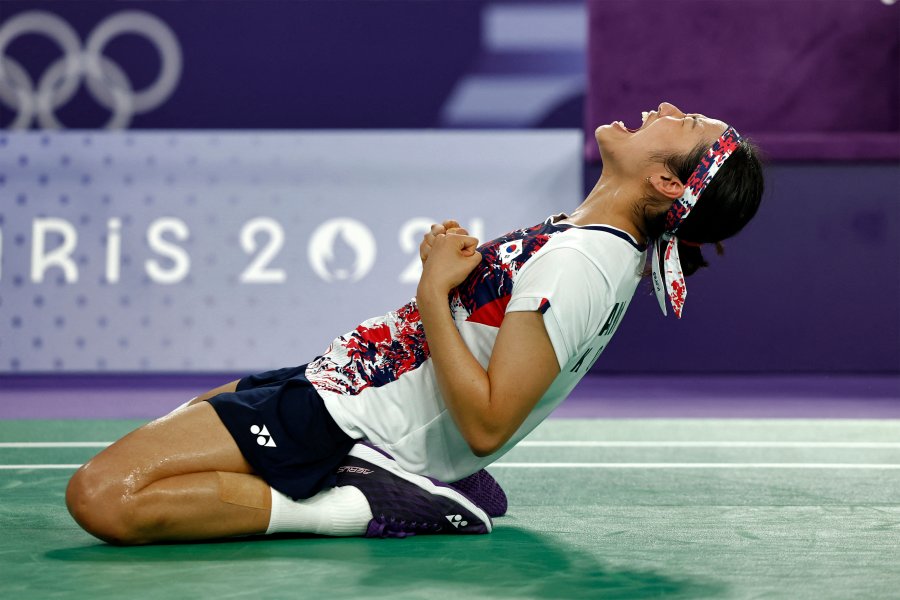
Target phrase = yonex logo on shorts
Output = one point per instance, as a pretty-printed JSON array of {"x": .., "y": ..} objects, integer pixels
[{"x": 264, "y": 437}]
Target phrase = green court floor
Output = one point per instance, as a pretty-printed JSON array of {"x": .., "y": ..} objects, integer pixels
[{"x": 598, "y": 509}]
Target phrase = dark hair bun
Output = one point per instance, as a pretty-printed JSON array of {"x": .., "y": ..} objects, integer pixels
[{"x": 691, "y": 258}]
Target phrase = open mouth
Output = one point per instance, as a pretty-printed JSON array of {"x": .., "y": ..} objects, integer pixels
[{"x": 644, "y": 116}]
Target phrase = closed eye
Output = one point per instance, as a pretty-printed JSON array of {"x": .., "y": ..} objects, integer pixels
[{"x": 694, "y": 120}]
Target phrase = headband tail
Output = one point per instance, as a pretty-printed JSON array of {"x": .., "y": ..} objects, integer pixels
[
  {"x": 672, "y": 282},
  {"x": 675, "y": 285},
  {"x": 659, "y": 285}
]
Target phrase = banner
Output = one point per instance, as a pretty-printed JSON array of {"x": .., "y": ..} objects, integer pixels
[
  {"x": 246, "y": 64},
  {"x": 187, "y": 251}
]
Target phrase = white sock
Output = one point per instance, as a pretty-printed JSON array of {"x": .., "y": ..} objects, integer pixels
[{"x": 338, "y": 511}]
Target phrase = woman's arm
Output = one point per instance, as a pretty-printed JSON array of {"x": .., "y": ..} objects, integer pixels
[{"x": 487, "y": 406}]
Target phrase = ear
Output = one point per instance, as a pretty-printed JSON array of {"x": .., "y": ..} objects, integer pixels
[{"x": 667, "y": 184}]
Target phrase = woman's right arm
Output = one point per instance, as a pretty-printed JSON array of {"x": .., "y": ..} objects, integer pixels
[{"x": 488, "y": 406}]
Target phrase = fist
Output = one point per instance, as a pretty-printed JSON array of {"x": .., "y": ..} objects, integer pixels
[
  {"x": 428, "y": 239},
  {"x": 450, "y": 260}
]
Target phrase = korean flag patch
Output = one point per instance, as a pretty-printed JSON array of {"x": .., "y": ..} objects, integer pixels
[{"x": 509, "y": 251}]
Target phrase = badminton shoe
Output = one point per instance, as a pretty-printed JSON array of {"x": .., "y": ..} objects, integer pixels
[
  {"x": 484, "y": 491},
  {"x": 404, "y": 503}
]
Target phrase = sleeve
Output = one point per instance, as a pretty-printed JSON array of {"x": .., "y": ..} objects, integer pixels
[{"x": 569, "y": 290}]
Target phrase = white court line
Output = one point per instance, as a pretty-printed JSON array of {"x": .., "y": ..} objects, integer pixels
[
  {"x": 715, "y": 444},
  {"x": 54, "y": 444},
  {"x": 11, "y": 467},
  {"x": 573, "y": 444},
  {"x": 515, "y": 465}
]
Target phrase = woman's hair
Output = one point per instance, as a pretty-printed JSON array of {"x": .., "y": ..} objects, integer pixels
[{"x": 725, "y": 206}]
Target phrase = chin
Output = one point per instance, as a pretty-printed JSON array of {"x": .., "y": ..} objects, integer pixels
[
  {"x": 602, "y": 135},
  {"x": 606, "y": 138}
]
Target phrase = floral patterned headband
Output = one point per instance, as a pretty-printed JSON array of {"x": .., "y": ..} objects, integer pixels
[{"x": 673, "y": 284}]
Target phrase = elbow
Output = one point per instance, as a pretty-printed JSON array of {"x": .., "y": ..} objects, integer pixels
[{"x": 485, "y": 443}]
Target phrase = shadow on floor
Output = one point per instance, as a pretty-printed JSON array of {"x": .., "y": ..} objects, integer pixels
[{"x": 512, "y": 562}]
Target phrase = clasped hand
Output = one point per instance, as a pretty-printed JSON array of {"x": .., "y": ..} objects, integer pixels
[{"x": 448, "y": 256}]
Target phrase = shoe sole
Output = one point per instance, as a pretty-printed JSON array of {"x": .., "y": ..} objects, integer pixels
[{"x": 378, "y": 458}]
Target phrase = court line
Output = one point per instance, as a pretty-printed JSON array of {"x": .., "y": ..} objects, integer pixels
[
  {"x": 12, "y": 467},
  {"x": 551, "y": 465},
  {"x": 708, "y": 444},
  {"x": 575, "y": 444},
  {"x": 623, "y": 465},
  {"x": 54, "y": 444}
]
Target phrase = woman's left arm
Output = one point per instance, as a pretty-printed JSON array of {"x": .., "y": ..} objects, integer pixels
[{"x": 488, "y": 406}]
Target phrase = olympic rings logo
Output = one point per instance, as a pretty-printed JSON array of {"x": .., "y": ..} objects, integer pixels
[{"x": 106, "y": 81}]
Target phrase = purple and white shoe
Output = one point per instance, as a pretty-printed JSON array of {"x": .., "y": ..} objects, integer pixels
[
  {"x": 484, "y": 491},
  {"x": 404, "y": 503}
]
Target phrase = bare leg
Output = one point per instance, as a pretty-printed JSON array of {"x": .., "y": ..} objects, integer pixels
[
  {"x": 161, "y": 483},
  {"x": 228, "y": 387}
]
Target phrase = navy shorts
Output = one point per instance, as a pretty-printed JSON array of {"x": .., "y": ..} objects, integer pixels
[{"x": 283, "y": 429}]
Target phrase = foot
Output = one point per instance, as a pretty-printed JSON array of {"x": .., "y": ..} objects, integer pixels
[
  {"x": 403, "y": 503},
  {"x": 484, "y": 491}
]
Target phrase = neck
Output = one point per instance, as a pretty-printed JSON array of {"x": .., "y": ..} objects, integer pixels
[{"x": 612, "y": 202}]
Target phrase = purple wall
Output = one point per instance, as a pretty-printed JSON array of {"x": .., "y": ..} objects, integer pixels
[
  {"x": 275, "y": 64},
  {"x": 807, "y": 79},
  {"x": 312, "y": 64},
  {"x": 812, "y": 284}
]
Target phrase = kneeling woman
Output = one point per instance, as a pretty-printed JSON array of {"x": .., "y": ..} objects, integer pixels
[{"x": 358, "y": 441}]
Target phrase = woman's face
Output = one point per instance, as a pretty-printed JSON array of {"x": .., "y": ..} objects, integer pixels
[{"x": 664, "y": 131}]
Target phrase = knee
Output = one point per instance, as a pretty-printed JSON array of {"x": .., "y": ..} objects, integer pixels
[{"x": 101, "y": 504}]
